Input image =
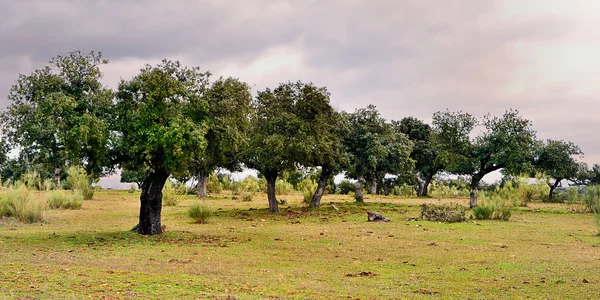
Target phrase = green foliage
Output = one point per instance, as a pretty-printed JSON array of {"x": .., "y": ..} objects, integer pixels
[
  {"x": 247, "y": 196},
  {"x": 403, "y": 190},
  {"x": 58, "y": 199},
  {"x": 447, "y": 213},
  {"x": 20, "y": 203},
  {"x": 136, "y": 177},
  {"x": 200, "y": 213},
  {"x": 32, "y": 180},
  {"x": 169, "y": 195},
  {"x": 446, "y": 190},
  {"x": 161, "y": 118},
  {"x": 60, "y": 114},
  {"x": 225, "y": 180},
  {"x": 493, "y": 207},
  {"x": 308, "y": 187},
  {"x": 49, "y": 184},
  {"x": 346, "y": 186},
  {"x": 131, "y": 189},
  {"x": 374, "y": 147},
  {"x": 79, "y": 181},
  {"x": 569, "y": 195},
  {"x": 283, "y": 187},
  {"x": 214, "y": 185}
]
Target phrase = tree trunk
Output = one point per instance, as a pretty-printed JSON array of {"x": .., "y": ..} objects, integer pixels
[
  {"x": 552, "y": 188},
  {"x": 358, "y": 194},
  {"x": 425, "y": 190},
  {"x": 473, "y": 195},
  {"x": 57, "y": 178},
  {"x": 373, "y": 185},
  {"x": 151, "y": 203},
  {"x": 420, "y": 185},
  {"x": 316, "y": 198},
  {"x": 202, "y": 183},
  {"x": 271, "y": 178}
]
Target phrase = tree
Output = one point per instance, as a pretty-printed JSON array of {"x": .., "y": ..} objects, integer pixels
[
  {"x": 281, "y": 134},
  {"x": 425, "y": 151},
  {"x": 228, "y": 112},
  {"x": 555, "y": 159},
  {"x": 505, "y": 143},
  {"x": 133, "y": 176},
  {"x": 160, "y": 124},
  {"x": 322, "y": 131},
  {"x": 594, "y": 174},
  {"x": 59, "y": 115},
  {"x": 374, "y": 148}
]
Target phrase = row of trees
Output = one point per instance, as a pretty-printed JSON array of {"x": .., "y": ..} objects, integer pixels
[{"x": 171, "y": 120}]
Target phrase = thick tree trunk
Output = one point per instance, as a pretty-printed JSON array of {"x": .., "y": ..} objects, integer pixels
[
  {"x": 151, "y": 203},
  {"x": 271, "y": 178},
  {"x": 316, "y": 198},
  {"x": 425, "y": 190},
  {"x": 373, "y": 185},
  {"x": 552, "y": 188},
  {"x": 358, "y": 194},
  {"x": 473, "y": 195},
  {"x": 201, "y": 185}
]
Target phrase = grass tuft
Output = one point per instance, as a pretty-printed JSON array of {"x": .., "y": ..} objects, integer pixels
[{"x": 200, "y": 213}]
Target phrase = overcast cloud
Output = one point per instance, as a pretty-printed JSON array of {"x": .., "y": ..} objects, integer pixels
[{"x": 409, "y": 58}]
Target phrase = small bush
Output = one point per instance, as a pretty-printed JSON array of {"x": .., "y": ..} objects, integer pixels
[
  {"x": 283, "y": 187},
  {"x": 404, "y": 190},
  {"x": 214, "y": 185},
  {"x": 200, "y": 213},
  {"x": 308, "y": 187},
  {"x": 78, "y": 180},
  {"x": 247, "y": 196},
  {"x": 169, "y": 195},
  {"x": 493, "y": 208},
  {"x": 346, "y": 187},
  {"x": 131, "y": 188},
  {"x": 19, "y": 202},
  {"x": 251, "y": 184},
  {"x": 49, "y": 184},
  {"x": 448, "y": 213},
  {"x": 62, "y": 199},
  {"x": 32, "y": 180}
]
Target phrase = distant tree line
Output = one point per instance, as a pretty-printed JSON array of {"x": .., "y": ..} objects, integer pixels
[{"x": 173, "y": 120}]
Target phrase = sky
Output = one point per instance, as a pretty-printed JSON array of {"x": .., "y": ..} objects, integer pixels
[{"x": 409, "y": 58}]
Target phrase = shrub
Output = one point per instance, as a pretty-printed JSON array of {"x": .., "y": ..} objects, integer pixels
[
  {"x": 225, "y": 181},
  {"x": 251, "y": 184},
  {"x": 493, "y": 208},
  {"x": 283, "y": 187},
  {"x": 404, "y": 190},
  {"x": 200, "y": 213},
  {"x": 247, "y": 196},
  {"x": 570, "y": 194},
  {"x": 449, "y": 213},
  {"x": 78, "y": 180},
  {"x": 131, "y": 188},
  {"x": 346, "y": 187},
  {"x": 49, "y": 184},
  {"x": 307, "y": 186},
  {"x": 214, "y": 185},
  {"x": 169, "y": 195},
  {"x": 32, "y": 180},
  {"x": 65, "y": 200},
  {"x": 19, "y": 202}
]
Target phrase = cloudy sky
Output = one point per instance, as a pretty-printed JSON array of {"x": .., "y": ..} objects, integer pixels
[{"x": 409, "y": 58}]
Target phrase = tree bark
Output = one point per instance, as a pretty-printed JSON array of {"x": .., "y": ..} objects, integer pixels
[
  {"x": 373, "y": 185},
  {"x": 201, "y": 185},
  {"x": 271, "y": 178},
  {"x": 151, "y": 202},
  {"x": 552, "y": 188},
  {"x": 358, "y": 194},
  {"x": 425, "y": 190},
  {"x": 316, "y": 198},
  {"x": 473, "y": 195}
]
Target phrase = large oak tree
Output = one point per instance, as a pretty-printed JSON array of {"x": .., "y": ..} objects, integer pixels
[
  {"x": 557, "y": 160},
  {"x": 161, "y": 124}
]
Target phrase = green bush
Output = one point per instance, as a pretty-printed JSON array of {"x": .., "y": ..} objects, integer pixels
[
  {"x": 345, "y": 187},
  {"x": 62, "y": 199},
  {"x": 49, "y": 184},
  {"x": 493, "y": 208},
  {"x": 404, "y": 190},
  {"x": 448, "y": 213},
  {"x": 444, "y": 190},
  {"x": 78, "y": 180},
  {"x": 32, "y": 180},
  {"x": 214, "y": 185},
  {"x": 251, "y": 184},
  {"x": 169, "y": 195},
  {"x": 308, "y": 187},
  {"x": 20, "y": 203},
  {"x": 200, "y": 213},
  {"x": 131, "y": 189},
  {"x": 283, "y": 187},
  {"x": 569, "y": 195}
]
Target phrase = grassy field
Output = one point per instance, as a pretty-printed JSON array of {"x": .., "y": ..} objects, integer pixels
[{"x": 244, "y": 252}]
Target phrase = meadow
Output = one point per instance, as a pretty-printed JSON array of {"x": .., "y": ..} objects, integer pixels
[{"x": 244, "y": 252}]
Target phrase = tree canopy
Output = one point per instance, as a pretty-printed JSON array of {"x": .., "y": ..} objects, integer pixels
[
  {"x": 557, "y": 160},
  {"x": 161, "y": 124},
  {"x": 59, "y": 115},
  {"x": 505, "y": 143}
]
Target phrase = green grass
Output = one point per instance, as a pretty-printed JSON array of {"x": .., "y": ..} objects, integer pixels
[{"x": 246, "y": 252}]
